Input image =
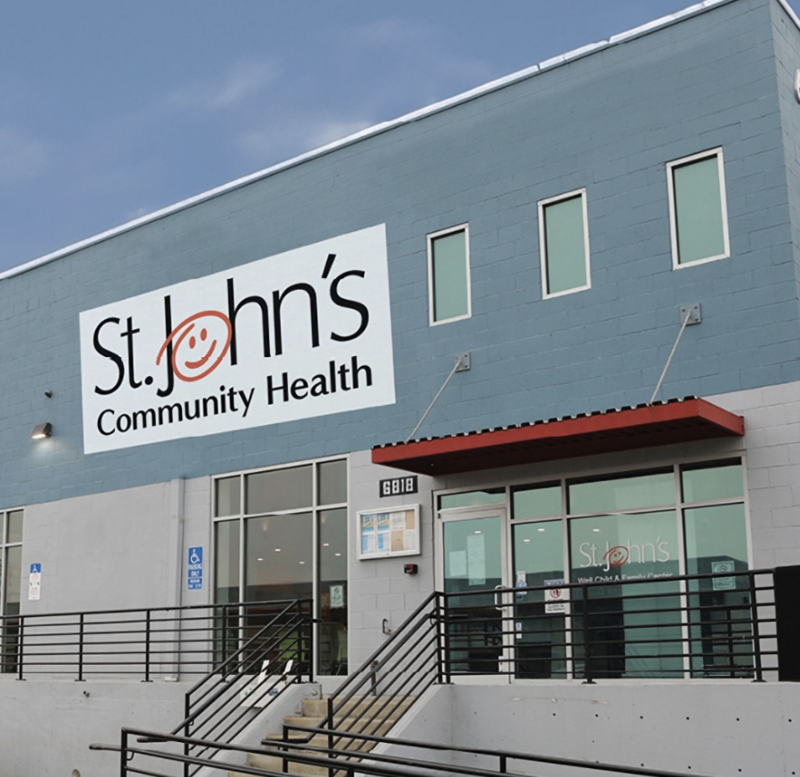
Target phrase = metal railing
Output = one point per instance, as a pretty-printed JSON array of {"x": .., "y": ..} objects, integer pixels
[
  {"x": 688, "y": 626},
  {"x": 132, "y": 643},
  {"x": 389, "y": 681},
  {"x": 683, "y": 626},
  {"x": 497, "y": 762},
  {"x": 279, "y": 653}
]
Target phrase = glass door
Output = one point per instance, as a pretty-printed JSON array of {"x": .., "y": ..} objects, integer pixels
[{"x": 474, "y": 571}]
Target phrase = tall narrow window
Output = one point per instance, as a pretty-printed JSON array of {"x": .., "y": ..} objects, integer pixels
[
  {"x": 448, "y": 275},
  {"x": 281, "y": 534},
  {"x": 564, "y": 244},
  {"x": 10, "y": 587},
  {"x": 698, "y": 212}
]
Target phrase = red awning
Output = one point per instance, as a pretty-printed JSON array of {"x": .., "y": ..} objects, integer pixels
[{"x": 645, "y": 426}]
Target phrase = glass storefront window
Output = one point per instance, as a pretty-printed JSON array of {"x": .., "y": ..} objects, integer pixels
[
  {"x": 294, "y": 528},
  {"x": 633, "y": 631},
  {"x": 491, "y": 496},
  {"x": 621, "y": 493},
  {"x": 332, "y": 556},
  {"x": 629, "y": 538},
  {"x": 11, "y": 526},
  {"x": 707, "y": 482},
  {"x": 278, "y": 557},
  {"x": 536, "y": 501},
  {"x": 227, "y": 497},
  {"x": 278, "y": 490},
  {"x": 541, "y": 635},
  {"x": 721, "y": 637},
  {"x": 332, "y": 482},
  {"x": 226, "y": 562}
]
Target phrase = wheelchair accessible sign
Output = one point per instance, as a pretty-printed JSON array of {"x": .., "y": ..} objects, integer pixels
[{"x": 194, "y": 578}]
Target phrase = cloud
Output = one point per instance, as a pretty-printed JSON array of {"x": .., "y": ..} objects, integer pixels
[
  {"x": 242, "y": 82},
  {"x": 22, "y": 157}
]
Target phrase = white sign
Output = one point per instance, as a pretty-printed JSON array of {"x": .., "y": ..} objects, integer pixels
[
  {"x": 723, "y": 583},
  {"x": 555, "y": 596},
  {"x": 337, "y": 596},
  {"x": 297, "y": 335},
  {"x": 35, "y": 583}
]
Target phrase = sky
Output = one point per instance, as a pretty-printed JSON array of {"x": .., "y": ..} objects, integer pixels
[{"x": 112, "y": 110}]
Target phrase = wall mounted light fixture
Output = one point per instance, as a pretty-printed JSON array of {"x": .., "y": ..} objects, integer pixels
[{"x": 40, "y": 431}]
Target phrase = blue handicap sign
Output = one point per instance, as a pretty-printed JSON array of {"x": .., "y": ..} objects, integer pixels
[
  {"x": 36, "y": 569},
  {"x": 194, "y": 567}
]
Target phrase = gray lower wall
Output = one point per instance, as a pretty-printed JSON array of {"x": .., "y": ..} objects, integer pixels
[
  {"x": 119, "y": 549},
  {"x": 707, "y": 728},
  {"x": 46, "y": 726}
]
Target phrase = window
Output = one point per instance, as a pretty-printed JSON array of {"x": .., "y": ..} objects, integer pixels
[
  {"x": 282, "y": 534},
  {"x": 10, "y": 586},
  {"x": 607, "y": 532},
  {"x": 697, "y": 209},
  {"x": 564, "y": 244},
  {"x": 10, "y": 561},
  {"x": 448, "y": 275}
]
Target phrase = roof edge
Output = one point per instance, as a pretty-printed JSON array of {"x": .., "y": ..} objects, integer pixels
[{"x": 377, "y": 129}]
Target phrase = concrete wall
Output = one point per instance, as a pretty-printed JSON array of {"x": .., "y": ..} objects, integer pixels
[
  {"x": 47, "y": 726},
  {"x": 708, "y": 728},
  {"x": 608, "y": 121},
  {"x": 118, "y": 549}
]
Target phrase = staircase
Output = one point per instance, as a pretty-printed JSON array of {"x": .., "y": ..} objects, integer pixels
[{"x": 356, "y": 719}]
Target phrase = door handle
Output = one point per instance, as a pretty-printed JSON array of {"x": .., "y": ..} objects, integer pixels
[{"x": 498, "y": 596}]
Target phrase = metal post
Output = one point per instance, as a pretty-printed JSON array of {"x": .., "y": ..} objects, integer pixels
[
  {"x": 147, "y": 648},
  {"x": 80, "y": 647},
  {"x": 587, "y": 648},
  {"x": 503, "y": 762},
  {"x": 311, "y": 653},
  {"x": 285, "y": 759},
  {"x": 123, "y": 753},
  {"x": 445, "y": 625},
  {"x": 437, "y": 621},
  {"x": 759, "y": 677},
  {"x": 224, "y": 633},
  {"x": 331, "y": 726},
  {"x": 21, "y": 648}
]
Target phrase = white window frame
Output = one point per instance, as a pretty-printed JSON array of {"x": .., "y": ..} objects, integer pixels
[
  {"x": 5, "y": 546},
  {"x": 543, "y": 242},
  {"x": 673, "y": 221},
  {"x": 431, "y": 306},
  {"x": 315, "y": 508}
]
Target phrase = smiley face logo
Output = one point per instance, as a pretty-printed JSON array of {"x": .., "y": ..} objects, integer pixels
[
  {"x": 617, "y": 556},
  {"x": 199, "y": 344}
]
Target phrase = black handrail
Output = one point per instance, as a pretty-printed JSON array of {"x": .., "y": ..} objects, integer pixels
[
  {"x": 378, "y": 765},
  {"x": 712, "y": 633},
  {"x": 128, "y": 642},
  {"x": 213, "y": 706},
  {"x": 411, "y": 659},
  {"x": 415, "y": 657}
]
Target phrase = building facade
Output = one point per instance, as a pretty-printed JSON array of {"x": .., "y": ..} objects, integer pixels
[{"x": 245, "y": 373}]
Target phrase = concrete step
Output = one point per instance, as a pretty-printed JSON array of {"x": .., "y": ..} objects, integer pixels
[
  {"x": 318, "y": 708},
  {"x": 314, "y": 712}
]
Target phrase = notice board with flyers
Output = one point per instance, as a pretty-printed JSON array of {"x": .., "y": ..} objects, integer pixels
[{"x": 388, "y": 532}]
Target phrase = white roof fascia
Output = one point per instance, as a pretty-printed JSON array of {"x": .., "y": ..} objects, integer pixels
[
  {"x": 789, "y": 10},
  {"x": 376, "y": 129}
]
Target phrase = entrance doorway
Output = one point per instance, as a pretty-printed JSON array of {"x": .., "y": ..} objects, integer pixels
[{"x": 494, "y": 627}]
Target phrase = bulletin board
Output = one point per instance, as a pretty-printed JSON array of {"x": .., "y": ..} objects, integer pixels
[{"x": 388, "y": 532}]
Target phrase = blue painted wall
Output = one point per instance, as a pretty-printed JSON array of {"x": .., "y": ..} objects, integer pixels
[{"x": 608, "y": 122}]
